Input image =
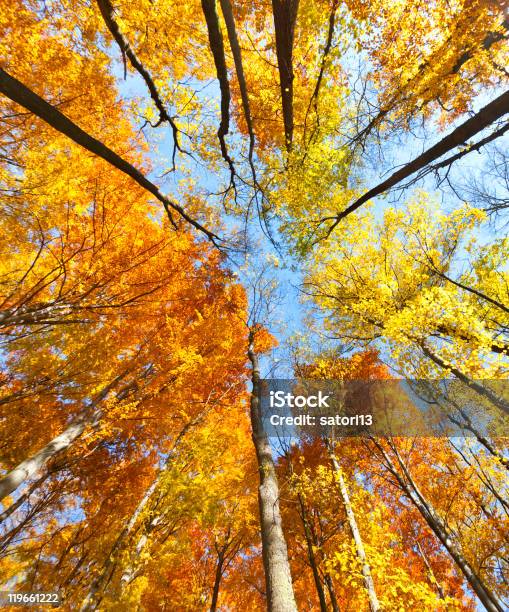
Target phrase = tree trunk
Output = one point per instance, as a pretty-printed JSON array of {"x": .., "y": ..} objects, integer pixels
[
  {"x": 374, "y": 605},
  {"x": 332, "y": 594},
  {"x": 489, "y": 600},
  {"x": 217, "y": 48},
  {"x": 280, "y": 596},
  {"x": 326, "y": 576},
  {"x": 478, "y": 387},
  {"x": 34, "y": 464},
  {"x": 311, "y": 555},
  {"x": 130, "y": 572},
  {"x": 285, "y": 16},
  {"x": 490, "y": 39},
  {"x": 227, "y": 11},
  {"x": 217, "y": 581},
  {"x": 466, "y": 423}
]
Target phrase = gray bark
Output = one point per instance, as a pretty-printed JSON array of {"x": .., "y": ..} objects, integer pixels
[{"x": 280, "y": 595}]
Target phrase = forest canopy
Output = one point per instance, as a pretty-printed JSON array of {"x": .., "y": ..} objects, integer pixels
[{"x": 200, "y": 195}]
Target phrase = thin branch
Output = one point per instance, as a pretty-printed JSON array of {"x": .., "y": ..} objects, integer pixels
[
  {"x": 484, "y": 118},
  {"x": 107, "y": 11},
  {"x": 490, "y": 39},
  {"x": 446, "y": 163},
  {"x": 313, "y": 101},
  {"x": 19, "y": 93}
]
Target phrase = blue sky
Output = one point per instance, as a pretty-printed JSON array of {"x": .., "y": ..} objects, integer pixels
[{"x": 290, "y": 319}]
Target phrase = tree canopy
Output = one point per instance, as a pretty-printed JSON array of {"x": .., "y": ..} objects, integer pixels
[{"x": 171, "y": 174}]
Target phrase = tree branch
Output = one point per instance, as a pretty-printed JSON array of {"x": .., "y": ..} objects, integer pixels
[
  {"x": 484, "y": 118},
  {"x": 490, "y": 39},
  {"x": 107, "y": 11},
  {"x": 19, "y": 93},
  {"x": 313, "y": 101}
]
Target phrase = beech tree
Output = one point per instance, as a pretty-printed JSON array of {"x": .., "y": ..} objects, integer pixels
[{"x": 153, "y": 156}]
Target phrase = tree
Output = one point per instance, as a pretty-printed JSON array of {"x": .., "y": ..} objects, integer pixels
[
  {"x": 438, "y": 60},
  {"x": 280, "y": 596},
  {"x": 400, "y": 288},
  {"x": 136, "y": 472}
]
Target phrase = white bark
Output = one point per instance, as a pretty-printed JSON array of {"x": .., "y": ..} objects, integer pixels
[
  {"x": 99, "y": 584},
  {"x": 374, "y": 604},
  {"x": 34, "y": 465},
  {"x": 486, "y": 596}
]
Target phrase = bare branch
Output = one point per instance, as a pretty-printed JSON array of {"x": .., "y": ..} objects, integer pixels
[
  {"x": 107, "y": 11},
  {"x": 472, "y": 126}
]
